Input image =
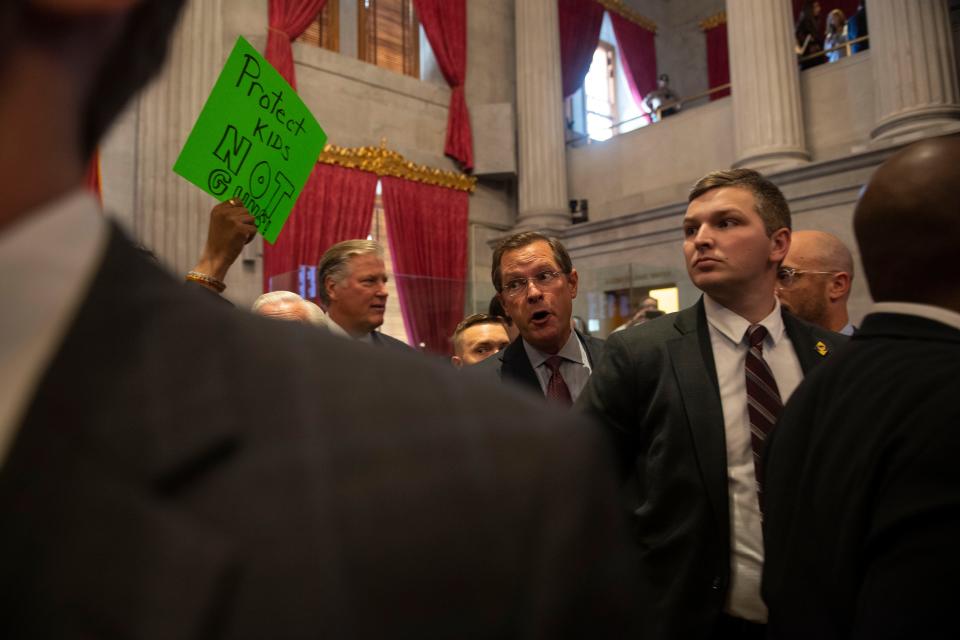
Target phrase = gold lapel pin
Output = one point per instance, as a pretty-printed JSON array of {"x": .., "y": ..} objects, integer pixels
[{"x": 822, "y": 348}]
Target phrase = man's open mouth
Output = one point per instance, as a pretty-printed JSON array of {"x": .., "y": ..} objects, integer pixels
[{"x": 539, "y": 316}]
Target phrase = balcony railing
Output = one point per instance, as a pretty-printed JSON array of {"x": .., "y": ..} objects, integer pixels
[{"x": 582, "y": 138}]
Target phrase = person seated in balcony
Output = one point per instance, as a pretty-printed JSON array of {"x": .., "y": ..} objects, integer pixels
[
  {"x": 662, "y": 101},
  {"x": 835, "y": 41},
  {"x": 809, "y": 40}
]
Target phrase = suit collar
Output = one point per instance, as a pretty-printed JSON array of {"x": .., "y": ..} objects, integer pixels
[
  {"x": 572, "y": 350},
  {"x": 930, "y": 312},
  {"x": 734, "y": 326},
  {"x": 594, "y": 348},
  {"x": 902, "y": 325},
  {"x": 515, "y": 364}
]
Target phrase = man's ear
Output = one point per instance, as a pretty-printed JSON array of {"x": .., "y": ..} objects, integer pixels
[
  {"x": 330, "y": 286},
  {"x": 457, "y": 362},
  {"x": 779, "y": 245},
  {"x": 839, "y": 285},
  {"x": 574, "y": 278},
  {"x": 83, "y": 7}
]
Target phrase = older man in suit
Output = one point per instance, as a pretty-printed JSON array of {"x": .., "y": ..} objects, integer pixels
[
  {"x": 864, "y": 482},
  {"x": 171, "y": 468},
  {"x": 536, "y": 283},
  {"x": 353, "y": 290},
  {"x": 690, "y": 397}
]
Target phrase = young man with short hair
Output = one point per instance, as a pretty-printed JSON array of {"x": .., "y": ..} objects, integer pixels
[{"x": 689, "y": 398}]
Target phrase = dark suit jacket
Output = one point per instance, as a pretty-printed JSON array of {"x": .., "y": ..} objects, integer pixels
[
  {"x": 864, "y": 486},
  {"x": 388, "y": 342},
  {"x": 656, "y": 389},
  {"x": 511, "y": 365},
  {"x": 186, "y": 470}
]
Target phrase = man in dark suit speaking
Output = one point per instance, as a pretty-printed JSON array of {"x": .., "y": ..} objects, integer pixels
[
  {"x": 171, "y": 467},
  {"x": 690, "y": 398},
  {"x": 536, "y": 282},
  {"x": 864, "y": 480}
]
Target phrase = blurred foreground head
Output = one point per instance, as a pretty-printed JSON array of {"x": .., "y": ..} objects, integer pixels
[
  {"x": 907, "y": 225},
  {"x": 67, "y": 69}
]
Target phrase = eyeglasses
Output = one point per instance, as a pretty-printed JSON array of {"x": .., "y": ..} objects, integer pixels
[
  {"x": 788, "y": 275},
  {"x": 518, "y": 286}
]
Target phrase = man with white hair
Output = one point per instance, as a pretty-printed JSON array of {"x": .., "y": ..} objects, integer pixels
[
  {"x": 287, "y": 305},
  {"x": 353, "y": 289}
]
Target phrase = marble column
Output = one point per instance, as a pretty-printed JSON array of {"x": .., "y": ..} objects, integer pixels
[
  {"x": 540, "y": 129},
  {"x": 171, "y": 215},
  {"x": 914, "y": 68},
  {"x": 765, "y": 84}
]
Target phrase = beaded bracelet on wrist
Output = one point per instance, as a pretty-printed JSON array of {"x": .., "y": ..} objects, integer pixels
[{"x": 202, "y": 278}]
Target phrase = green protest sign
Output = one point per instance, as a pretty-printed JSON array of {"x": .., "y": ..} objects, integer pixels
[{"x": 255, "y": 141}]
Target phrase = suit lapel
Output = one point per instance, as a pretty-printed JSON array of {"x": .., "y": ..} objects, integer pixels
[
  {"x": 810, "y": 349},
  {"x": 691, "y": 355},
  {"x": 594, "y": 348},
  {"x": 516, "y": 365}
]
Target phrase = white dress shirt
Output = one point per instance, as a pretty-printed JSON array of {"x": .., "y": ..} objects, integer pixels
[
  {"x": 48, "y": 259},
  {"x": 730, "y": 347},
  {"x": 930, "y": 312},
  {"x": 575, "y": 367}
]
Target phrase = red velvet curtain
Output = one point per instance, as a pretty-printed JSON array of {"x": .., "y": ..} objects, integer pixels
[
  {"x": 445, "y": 23},
  {"x": 638, "y": 53},
  {"x": 580, "y": 22},
  {"x": 339, "y": 207},
  {"x": 287, "y": 20},
  {"x": 718, "y": 60},
  {"x": 92, "y": 180},
  {"x": 427, "y": 226}
]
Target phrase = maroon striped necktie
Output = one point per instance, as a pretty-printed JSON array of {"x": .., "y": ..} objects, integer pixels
[
  {"x": 557, "y": 389},
  {"x": 763, "y": 397}
]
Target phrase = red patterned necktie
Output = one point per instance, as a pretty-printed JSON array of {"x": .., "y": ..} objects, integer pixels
[
  {"x": 763, "y": 397},
  {"x": 557, "y": 389}
]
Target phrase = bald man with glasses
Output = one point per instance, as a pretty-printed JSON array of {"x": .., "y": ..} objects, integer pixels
[
  {"x": 536, "y": 283},
  {"x": 814, "y": 281}
]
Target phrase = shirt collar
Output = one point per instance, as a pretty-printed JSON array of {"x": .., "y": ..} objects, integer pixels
[
  {"x": 734, "y": 326},
  {"x": 569, "y": 351},
  {"x": 928, "y": 311},
  {"x": 337, "y": 330}
]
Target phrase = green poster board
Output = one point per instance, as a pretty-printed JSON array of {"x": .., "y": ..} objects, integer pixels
[{"x": 255, "y": 141}]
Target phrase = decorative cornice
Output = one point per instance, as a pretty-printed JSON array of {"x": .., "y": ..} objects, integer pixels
[
  {"x": 620, "y": 8},
  {"x": 386, "y": 162},
  {"x": 713, "y": 21}
]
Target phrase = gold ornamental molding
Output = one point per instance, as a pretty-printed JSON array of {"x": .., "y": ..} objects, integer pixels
[
  {"x": 621, "y": 9},
  {"x": 713, "y": 21},
  {"x": 386, "y": 162}
]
